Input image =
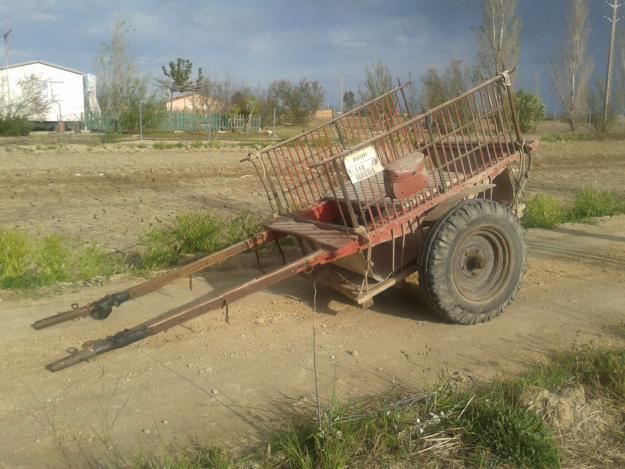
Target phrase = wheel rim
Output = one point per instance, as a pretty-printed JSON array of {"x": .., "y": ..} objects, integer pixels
[{"x": 481, "y": 264}]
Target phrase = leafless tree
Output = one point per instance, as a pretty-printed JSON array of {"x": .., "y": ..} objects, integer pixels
[
  {"x": 120, "y": 86},
  {"x": 378, "y": 80},
  {"x": 31, "y": 101},
  {"x": 571, "y": 69},
  {"x": 498, "y": 37}
]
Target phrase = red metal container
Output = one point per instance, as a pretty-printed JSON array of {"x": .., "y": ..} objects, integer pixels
[{"x": 405, "y": 177}]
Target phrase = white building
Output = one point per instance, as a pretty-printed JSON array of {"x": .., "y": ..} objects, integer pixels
[{"x": 64, "y": 87}]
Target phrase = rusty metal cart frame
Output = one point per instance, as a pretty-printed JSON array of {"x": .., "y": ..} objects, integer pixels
[{"x": 352, "y": 235}]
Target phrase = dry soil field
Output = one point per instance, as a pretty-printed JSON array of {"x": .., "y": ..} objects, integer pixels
[{"x": 231, "y": 383}]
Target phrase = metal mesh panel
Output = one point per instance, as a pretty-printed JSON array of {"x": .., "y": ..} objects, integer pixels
[{"x": 461, "y": 139}]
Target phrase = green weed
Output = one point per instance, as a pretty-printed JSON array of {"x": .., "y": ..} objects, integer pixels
[
  {"x": 194, "y": 457},
  {"x": 109, "y": 137},
  {"x": 169, "y": 146},
  {"x": 594, "y": 202},
  {"x": 581, "y": 137},
  {"x": 510, "y": 433},
  {"x": 29, "y": 263},
  {"x": 192, "y": 234},
  {"x": 545, "y": 211}
]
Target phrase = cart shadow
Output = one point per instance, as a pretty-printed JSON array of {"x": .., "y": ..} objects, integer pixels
[{"x": 406, "y": 302}]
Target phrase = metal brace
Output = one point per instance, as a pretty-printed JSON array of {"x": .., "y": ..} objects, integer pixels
[{"x": 506, "y": 78}]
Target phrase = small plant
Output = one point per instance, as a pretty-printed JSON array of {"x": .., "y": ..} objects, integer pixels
[
  {"x": 169, "y": 146},
  {"x": 512, "y": 434},
  {"x": 109, "y": 137},
  {"x": 595, "y": 202},
  {"x": 194, "y": 457},
  {"x": 28, "y": 263},
  {"x": 544, "y": 211},
  {"x": 530, "y": 109},
  {"x": 192, "y": 234}
]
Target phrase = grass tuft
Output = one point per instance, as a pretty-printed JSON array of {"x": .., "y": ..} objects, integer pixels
[
  {"x": 510, "y": 433},
  {"x": 482, "y": 425},
  {"x": 581, "y": 136},
  {"x": 594, "y": 202},
  {"x": 169, "y": 146},
  {"x": 192, "y": 234},
  {"x": 27, "y": 263},
  {"x": 545, "y": 211},
  {"x": 191, "y": 458}
]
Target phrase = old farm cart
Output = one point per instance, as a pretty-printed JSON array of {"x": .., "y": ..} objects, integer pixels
[{"x": 372, "y": 197}]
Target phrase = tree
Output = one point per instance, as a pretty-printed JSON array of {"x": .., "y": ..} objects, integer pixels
[
  {"x": 294, "y": 103},
  {"x": 211, "y": 96},
  {"x": 178, "y": 77},
  {"x": 31, "y": 101},
  {"x": 243, "y": 102},
  {"x": 596, "y": 99},
  {"x": 120, "y": 86},
  {"x": 530, "y": 109},
  {"x": 378, "y": 80},
  {"x": 571, "y": 70},
  {"x": 438, "y": 87},
  {"x": 349, "y": 101},
  {"x": 498, "y": 36}
]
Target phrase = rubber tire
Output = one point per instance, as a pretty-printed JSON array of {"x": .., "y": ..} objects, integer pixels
[{"x": 436, "y": 266}]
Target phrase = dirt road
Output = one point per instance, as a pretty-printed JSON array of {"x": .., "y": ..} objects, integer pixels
[{"x": 231, "y": 383}]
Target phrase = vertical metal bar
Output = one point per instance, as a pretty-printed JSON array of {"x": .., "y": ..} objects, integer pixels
[
  {"x": 464, "y": 141},
  {"x": 350, "y": 209},
  {"x": 436, "y": 156}
]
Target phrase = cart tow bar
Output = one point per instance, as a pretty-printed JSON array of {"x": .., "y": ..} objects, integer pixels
[
  {"x": 103, "y": 307},
  {"x": 188, "y": 311}
]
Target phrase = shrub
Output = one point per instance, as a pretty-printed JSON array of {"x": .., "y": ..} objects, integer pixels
[
  {"x": 15, "y": 127},
  {"x": 530, "y": 110}
]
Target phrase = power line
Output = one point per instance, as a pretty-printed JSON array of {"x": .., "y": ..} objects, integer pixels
[{"x": 608, "y": 79}]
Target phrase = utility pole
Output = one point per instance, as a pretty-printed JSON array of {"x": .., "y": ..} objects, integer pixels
[
  {"x": 608, "y": 80},
  {"x": 341, "y": 90},
  {"x": 6, "y": 65}
]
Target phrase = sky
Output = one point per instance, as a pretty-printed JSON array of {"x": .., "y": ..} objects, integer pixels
[{"x": 255, "y": 42}]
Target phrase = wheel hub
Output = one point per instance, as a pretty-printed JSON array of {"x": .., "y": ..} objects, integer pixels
[{"x": 481, "y": 264}]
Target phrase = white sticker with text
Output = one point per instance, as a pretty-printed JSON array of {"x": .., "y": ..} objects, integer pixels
[{"x": 362, "y": 164}]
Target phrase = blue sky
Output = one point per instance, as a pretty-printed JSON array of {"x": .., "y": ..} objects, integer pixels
[{"x": 255, "y": 42}]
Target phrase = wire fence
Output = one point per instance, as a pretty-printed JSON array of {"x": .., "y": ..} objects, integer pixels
[{"x": 171, "y": 122}]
